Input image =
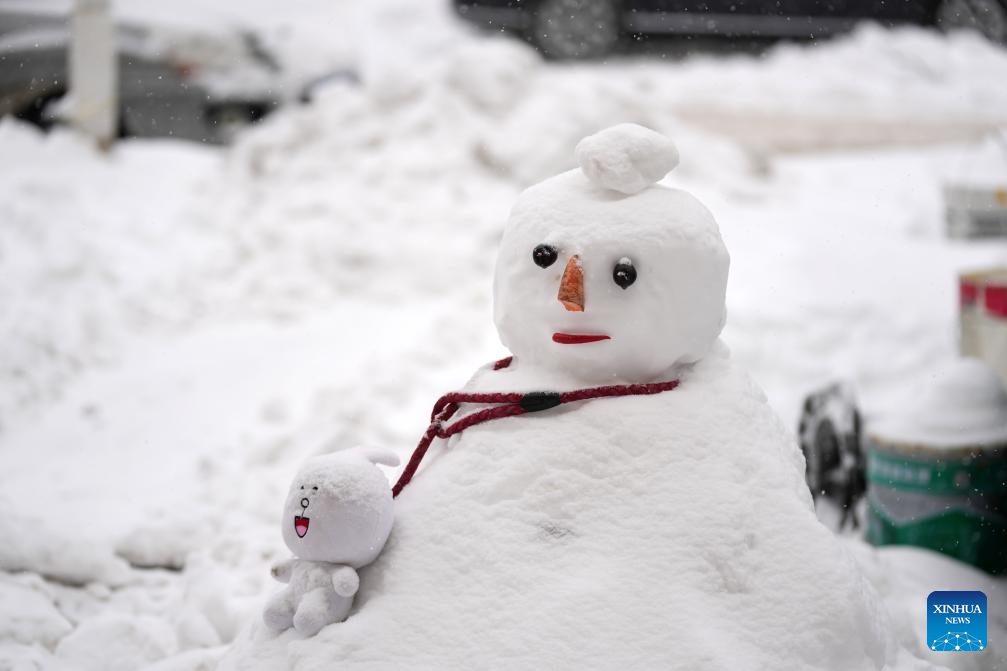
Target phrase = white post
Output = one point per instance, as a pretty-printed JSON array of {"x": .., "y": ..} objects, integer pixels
[{"x": 93, "y": 68}]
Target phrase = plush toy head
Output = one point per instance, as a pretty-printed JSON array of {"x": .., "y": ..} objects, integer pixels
[
  {"x": 339, "y": 508},
  {"x": 606, "y": 274}
]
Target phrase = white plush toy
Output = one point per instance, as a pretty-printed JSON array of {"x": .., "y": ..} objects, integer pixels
[{"x": 336, "y": 519}]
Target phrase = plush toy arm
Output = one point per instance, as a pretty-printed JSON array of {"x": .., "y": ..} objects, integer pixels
[
  {"x": 345, "y": 581},
  {"x": 283, "y": 570}
]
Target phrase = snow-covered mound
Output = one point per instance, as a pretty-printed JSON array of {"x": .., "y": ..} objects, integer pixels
[
  {"x": 671, "y": 531},
  {"x": 89, "y": 253}
]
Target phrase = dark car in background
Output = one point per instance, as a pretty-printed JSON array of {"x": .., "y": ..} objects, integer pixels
[
  {"x": 592, "y": 28},
  {"x": 172, "y": 83}
]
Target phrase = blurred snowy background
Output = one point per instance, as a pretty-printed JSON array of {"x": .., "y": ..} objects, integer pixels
[{"x": 182, "y": 323}]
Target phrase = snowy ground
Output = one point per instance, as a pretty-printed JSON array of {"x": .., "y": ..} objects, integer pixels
[{"x": 180, "y": 326}]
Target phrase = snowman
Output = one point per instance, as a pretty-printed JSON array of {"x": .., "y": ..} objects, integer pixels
[
  {"x": 621, "y": 495},
  {"x": 336, "y": 519}
]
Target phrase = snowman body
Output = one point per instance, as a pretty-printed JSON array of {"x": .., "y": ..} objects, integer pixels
[
  {"x": 671, "y": 531},
  {"x": 664, "y": 531}
]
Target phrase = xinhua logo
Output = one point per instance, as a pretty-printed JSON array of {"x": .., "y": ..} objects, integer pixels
[{"x": 956, "y": 621}]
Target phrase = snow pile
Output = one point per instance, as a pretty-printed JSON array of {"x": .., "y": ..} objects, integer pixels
[
  {"x": 660, "y": 531},
  {"x": 909, "y": 73},
  {"x": 53, "y": 550},
  {"x": 88, "y": 253},
  {"x": 114, "y": 642},
  {"x": 961, "y": 404},
  {"x": 28, "y": 615}
]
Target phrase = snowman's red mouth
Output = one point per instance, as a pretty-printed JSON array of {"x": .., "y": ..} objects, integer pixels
[
  {"x": 574, "y": 339},
  {"x": 301, "y": 525}
]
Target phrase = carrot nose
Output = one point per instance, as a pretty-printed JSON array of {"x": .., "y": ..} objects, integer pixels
[{"x": 571, "y": 287}]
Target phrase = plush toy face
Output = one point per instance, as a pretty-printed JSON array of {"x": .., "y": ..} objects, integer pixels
[
  {"x": 609, "y": 286},
  {"x": 339, "y": 510}
]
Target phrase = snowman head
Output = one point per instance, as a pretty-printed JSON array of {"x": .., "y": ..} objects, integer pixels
[
  {"x": 607, "y": 275},
  {"x": 339, "y": 508}
]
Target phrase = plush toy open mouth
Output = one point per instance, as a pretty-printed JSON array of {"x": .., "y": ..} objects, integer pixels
[
  {"x": 301, "y": 525},
  {"x": 574, "y": 339}
]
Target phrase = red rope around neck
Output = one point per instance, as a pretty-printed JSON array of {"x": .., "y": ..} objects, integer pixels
[{"x": 507, "y": 404}]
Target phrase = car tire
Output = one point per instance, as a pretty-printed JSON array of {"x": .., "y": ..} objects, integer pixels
[
  {"x": 823, "y": 457},
  {"x": 988, "y": 17},
  {"x": 568, "y": 29}
]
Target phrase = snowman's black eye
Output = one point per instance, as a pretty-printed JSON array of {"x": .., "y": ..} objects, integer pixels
[
  {"x": 314, "y": 489},
  {"x": 624, "y": 274},
  {"x": 544, "y": 255},
  {"x": 302, "y": 486}
]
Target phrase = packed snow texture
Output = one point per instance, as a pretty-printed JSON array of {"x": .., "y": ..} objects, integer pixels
[
  {"x": 626, "y": 158},
  {"x": 183, "y": 326}
]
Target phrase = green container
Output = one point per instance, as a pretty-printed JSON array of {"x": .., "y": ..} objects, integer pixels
[{"x": 949, "y": 500}]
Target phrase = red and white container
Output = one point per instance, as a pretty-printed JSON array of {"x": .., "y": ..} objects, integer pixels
[{"x": 983, "y": 317}]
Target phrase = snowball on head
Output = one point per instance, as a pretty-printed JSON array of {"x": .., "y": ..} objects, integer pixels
[
  {"x": 673, "y": 310},
  {"x": 339, "y": 508},
  {"x": 626, "y": 158}
]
